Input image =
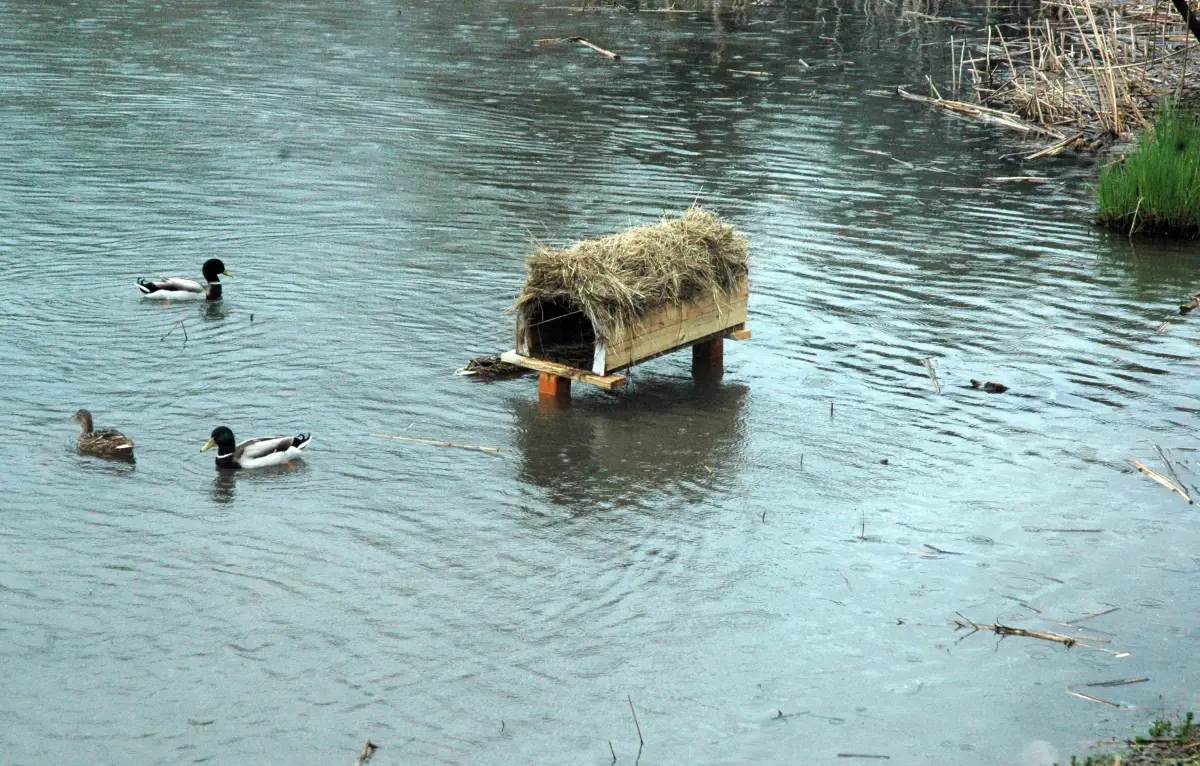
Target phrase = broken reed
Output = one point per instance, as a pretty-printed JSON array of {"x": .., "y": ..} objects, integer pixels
[
  {"x": 1095, "y": 67},
  {"x": 1156, "y": 189}
]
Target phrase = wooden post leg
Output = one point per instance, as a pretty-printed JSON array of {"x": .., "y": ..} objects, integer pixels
[
  {"x": 708, "y": 361},
  {"x": 553, "y": 389}
]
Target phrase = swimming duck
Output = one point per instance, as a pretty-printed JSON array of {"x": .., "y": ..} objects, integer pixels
[
  {"x": 107, "y": 443},
  {"x": 254, "y": 453},
  {"x": 989, "y": 386},
  {"x": 176, "y": 287}
]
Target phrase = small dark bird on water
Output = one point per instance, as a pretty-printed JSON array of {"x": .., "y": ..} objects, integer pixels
[
  {"x": 1193, "y": 302},
  {"x": 988, "y": 386},
  {"x": 107, "y": 443}
]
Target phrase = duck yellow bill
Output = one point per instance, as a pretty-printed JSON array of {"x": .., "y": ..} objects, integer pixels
[
  {"x": 226, "y": 273},
  {"x": 208, "y": 445}
]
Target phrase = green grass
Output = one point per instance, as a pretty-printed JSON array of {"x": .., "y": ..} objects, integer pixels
[
  {"x": 1156, "y": 189},
  {"x": 1166, "y": 744}
]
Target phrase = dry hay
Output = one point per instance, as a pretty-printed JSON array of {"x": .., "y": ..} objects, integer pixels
[
  {"x": 614, "y": 280},
  {"x": 1091, "y": 70}
]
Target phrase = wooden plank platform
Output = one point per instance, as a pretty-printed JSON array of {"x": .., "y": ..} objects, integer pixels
[{"x": 563, "y": 371}]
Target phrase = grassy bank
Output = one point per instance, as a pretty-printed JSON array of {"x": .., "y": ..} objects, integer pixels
[{"x": 1156, "y": 189}]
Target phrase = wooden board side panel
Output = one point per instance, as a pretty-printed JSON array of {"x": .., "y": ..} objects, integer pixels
[{"x": 673, "y": 326}]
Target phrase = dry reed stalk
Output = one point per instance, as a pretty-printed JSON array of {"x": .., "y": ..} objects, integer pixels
[{"x": 1095, "y": 66}]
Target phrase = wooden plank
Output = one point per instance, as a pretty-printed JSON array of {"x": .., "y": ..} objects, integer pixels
[
  {"x": 672, "y": 315},
  {"x": 563, "y": 371},
  {"x": 677, "y": 326}
]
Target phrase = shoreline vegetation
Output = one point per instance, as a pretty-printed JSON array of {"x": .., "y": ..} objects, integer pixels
[
  {"x": 1091, "y": 73},
  {"x": 1165, "y": 744},
  {"x": 1155, "y": 189}
]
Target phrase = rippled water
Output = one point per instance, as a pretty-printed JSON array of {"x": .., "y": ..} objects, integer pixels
[{"x": 741, "y": 561}]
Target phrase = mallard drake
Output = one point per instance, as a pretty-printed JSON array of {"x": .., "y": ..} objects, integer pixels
[
  {"x": 107, "y": 443},
  {"x": 177, "y": 287},
  {"x": 254, "y": 453}
]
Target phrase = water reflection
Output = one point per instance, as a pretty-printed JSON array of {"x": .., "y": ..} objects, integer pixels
[
  {"x": 114, "y": 465},
  {"x": 225, "y": 484},
  {"x": 667, "y": 436},
  {"x": 214, "y": 310}
]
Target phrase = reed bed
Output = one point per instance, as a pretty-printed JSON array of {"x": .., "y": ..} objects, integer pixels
[{"x": 1091, "y": 71}]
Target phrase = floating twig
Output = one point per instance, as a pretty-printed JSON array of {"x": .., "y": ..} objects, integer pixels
[
  {"x": 581, "y": 41},
  {"x": 635, "y": 722},
  {"x": 939, "y": 550},
  {"x": 982, "y": 113},
  {"x": 883, "y": 154},
  {"x": 1056, "y": 147},
  {"x": 1170, "y": 466},
  {"x": 1090, "y": 616},
  {"x": 368, "y": 750},
  {"x": 1121, "y": 682},
  {"x": 436, "y": 442},
  {"x": 614, "y": 752},
  {"x": 1101, "y": 700},
  {"x": 1019, "y": 179},
  {"x": 1005, "y": 630},
  {"x": 1163, "y": 480},
  {"x": 937, "y": 385},
  {"x": 181, "y": 326}
]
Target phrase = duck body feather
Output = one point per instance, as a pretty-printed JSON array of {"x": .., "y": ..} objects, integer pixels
[
  {"x": 174, "y": 288},
  {"x": 259, "y": 452},
  {"x": 178, "y": 288},
  {"x": 104, "y": 443}
]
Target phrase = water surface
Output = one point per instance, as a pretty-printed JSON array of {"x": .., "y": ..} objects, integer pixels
[{"x": 742, "y": 562}]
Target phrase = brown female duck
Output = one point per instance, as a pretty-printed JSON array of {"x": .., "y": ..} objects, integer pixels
[{"x": 106, "y": 443}]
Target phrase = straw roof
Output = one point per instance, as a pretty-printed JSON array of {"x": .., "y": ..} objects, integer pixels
[{"x": 614, "y": 280}]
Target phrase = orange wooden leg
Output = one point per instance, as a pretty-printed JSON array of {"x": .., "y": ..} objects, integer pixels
[
  {"x": 708, "y": 360},
  {"x": 552, "y": 388}
]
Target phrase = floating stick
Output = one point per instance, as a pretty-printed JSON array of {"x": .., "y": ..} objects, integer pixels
[
  {"x": 1121, "y": 682},
  {"x": 1101, "y": 700},
  {"x": 181, "y": 326},
  {"x": 367, "y": 751},
  {"x": 635, "y": 722},
  {"x": 1163, "y": 480},
  {"x": 937, "y": 386},
  {"x": 436, "y": 442},
  {"x": 581, "y": 41}
]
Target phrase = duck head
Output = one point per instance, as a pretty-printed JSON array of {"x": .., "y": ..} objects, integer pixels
[
  {"x": 213, "y": 269},
  {"x": 84, "y": 419},
  {"x": 221, "y": 438}
]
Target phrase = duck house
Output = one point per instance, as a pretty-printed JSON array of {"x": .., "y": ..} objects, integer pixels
[{"x": 603, "y": 305}]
